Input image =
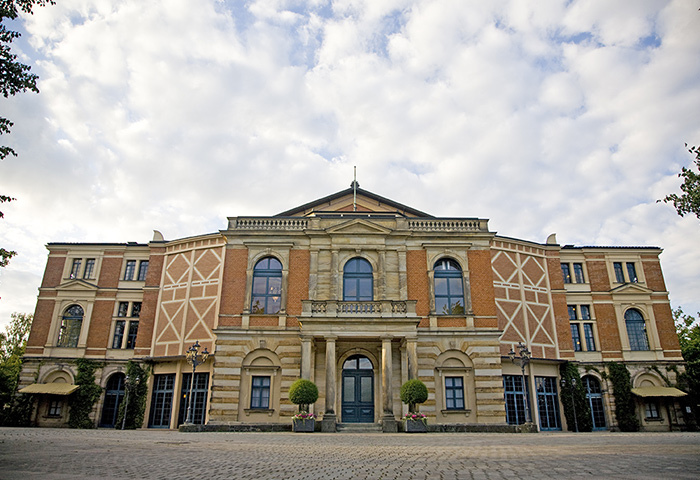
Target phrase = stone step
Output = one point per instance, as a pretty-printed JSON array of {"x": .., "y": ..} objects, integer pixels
[{"x": 358, "y": 428}]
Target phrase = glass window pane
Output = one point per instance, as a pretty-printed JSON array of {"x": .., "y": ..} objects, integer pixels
[
  {"x": 348, "y": 389},
  {"x": 365, "y": 363},
  {"x": 440, "y": 286},
  {"x": 274, "y": 285},
  {"x": 365, "y": 287},
  {"x": 273, "y": 304},
  {"x": 259, "y": 285},
  {"x": 441, "y": 306},
  {"x": 365, "y": 389},
  {"x": 455, "y": 285}
]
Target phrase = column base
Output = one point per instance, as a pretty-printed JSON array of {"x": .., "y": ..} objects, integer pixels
[
  {"x": 328, "y": 423},
  {"x": 389, "y": 424}
]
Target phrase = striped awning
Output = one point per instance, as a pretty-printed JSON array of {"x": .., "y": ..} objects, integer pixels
[
  {"x": 658, "y": 392},
  {"x": 50, "y": 388}
]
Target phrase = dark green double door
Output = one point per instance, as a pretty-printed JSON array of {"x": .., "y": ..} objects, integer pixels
[{"x": 358, "y": 390}]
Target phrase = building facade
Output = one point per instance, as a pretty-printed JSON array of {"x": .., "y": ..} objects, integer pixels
[{"x": 359, "y": 294}]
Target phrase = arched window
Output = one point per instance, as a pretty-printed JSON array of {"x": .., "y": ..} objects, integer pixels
[
  {"x": 71, "y": 323},
  {"x": 357, "y": 281},
  {"x": 267, "y": 286},
  {"x": 449, "y": 290},
  {"x": 594, "y": 395},
  {"x": 114, "y": 394},
  {"x": 636, "y": 330}
]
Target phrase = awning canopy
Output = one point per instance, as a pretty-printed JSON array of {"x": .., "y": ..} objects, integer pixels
[
  {"x": 658, "y": 392},
  {"x": 50, "y": 388}
]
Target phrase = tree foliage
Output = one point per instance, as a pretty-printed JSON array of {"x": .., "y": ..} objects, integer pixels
[
  {"x": 413, "y": 392},
  {"x": 15, "y": 77},
  {"x": 689, "y": 200},
  {"x": 625, "y": 413},
  {"x": 688, "y": 329},
  {"x": 12, "y": 344},
  {"x": 303, "y": 393}
]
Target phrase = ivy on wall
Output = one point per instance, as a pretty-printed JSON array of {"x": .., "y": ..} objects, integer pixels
[
  {"x": 83, "y": 400},
  {"x": 624, "y": 402},
  {"x": 568, "y": 372},
  {"x": 135, "y": 404}
]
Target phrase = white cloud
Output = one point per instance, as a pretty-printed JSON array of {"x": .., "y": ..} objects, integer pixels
[{"x": 553, "y": 116}]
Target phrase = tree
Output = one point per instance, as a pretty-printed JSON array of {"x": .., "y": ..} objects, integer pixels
[
  {"x": 303, "y": 393},
  {"x": 689, "y": 200},
  {"x": 412, "y": 393},
  {"x": 12, "y": 344},
  {"x": 15, "y": 77},
  {"x": 688, "y": 329}
]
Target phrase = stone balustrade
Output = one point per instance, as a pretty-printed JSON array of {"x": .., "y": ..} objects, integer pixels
[
  {"x": 382, "y": 308},
  {"x": 268, "y": 223},
  {"x": 448, "y": 224}
]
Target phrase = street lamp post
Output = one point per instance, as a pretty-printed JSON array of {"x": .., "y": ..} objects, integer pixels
[
  {"x": 522, "y": 359},
  {"x": 195, "y": 359},
  {"x": 571, "y": 386}
]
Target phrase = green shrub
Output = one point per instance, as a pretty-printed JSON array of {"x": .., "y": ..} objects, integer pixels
[
  {"x": 138, "y": 389},
  {"x": 84, "y": 399},
  {"x": 568, "y": 372},
  {"x": 624, "y": 402},
  {"x": 413, "y": 392},
  {"x": 303, "y": 393}
]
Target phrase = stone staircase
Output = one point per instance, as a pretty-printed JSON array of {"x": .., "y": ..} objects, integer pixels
[{"x": 358, "y": 428}]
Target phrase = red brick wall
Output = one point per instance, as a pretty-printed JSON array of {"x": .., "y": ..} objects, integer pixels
[
  {"x": 101, "y": 321},
  {"x": 41, "y": 324},
  {"x": 481, "y": 280},
  {"x": 559, "y": 305},
  {"x": 149, "y": 304},
  {"x": 666, "y": 328},
  {"x": 111, "y": 269},
  {"x": 417, "y": 277},
  {"x": 608, "y": 333},
  {"x": 298, "y": 280},
  {"x": 598, "y": 274},
  {"x": 233, "y": 288},
  {"x": 653, "y": 274},
  {"x": 54, "y": 270}
]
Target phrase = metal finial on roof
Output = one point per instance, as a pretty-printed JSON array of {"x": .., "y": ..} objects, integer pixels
[{"x": 354, "y": 186}]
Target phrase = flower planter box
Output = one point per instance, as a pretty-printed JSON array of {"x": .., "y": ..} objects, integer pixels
[
  {"x": 415, "y": 426},
  {"x": 303, "y": 425}
]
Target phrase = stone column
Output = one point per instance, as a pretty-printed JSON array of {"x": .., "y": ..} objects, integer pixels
[
  {"x": 306, "y": 357},
  {"x": 329, "y": 418},
  {"x": 388, "y": 420},
  {"x": 411, "y": 351}
]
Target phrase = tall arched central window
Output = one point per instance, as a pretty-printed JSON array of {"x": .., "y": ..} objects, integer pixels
[
  {"x": 449, "y": 289},
  {"x": 636, "y": 330},
  {"x": 267, "y": 286},
  {"x": 71, "y": 323},
  {"x": 357, "y": 281}
]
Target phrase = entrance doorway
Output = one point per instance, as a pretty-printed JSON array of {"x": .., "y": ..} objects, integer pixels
[{"x": 358, "y": 390}]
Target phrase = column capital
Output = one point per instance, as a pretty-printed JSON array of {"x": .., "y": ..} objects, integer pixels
[{"x": 330, "y": 338}]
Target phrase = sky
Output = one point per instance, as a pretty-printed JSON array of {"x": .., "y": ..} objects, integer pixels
[{"x": 547, "y": 116}]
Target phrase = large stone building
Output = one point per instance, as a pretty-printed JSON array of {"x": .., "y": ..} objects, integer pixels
[{"x": 359, "y": 294}]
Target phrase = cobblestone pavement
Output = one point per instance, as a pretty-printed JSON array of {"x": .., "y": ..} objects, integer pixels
[{"x": 29, "y": 454}]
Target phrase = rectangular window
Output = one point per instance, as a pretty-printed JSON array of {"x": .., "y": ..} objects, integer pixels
[
  {"x": 130, "y": 270},
  {"x": 651, "y": 410},
  {"x": 631, "y": 272},
  {"x": 143, "y": 270},
  {"x": 55, "y": 408},
  {"x": 566, "y": 272},
  {"x": 75, "y": 269},
  {"x": 260, "y": 393},
  {"x": 578, "y": 272},
  {"x": 162, "y": 400},
  {"x": 136, "y": 309},
  {"x": 548, "y": 403},
  {"x": 572, "y": 312},
  {"x": 123, "y": 310},
  {"x": 516, "y": 397},
  {"x": 576, "y": 337},
  {"x": 619, "y": 273},
  {"x": 585, "y": 312},
  {"x": 454, "y": 393},
  {"x": 588, "y": 335},
  {"x": 89, "y": 268},
  {"x": 199, "y": 398},
  {"x": 118, "y": 334},
  {"x": 131, "y": 338}
]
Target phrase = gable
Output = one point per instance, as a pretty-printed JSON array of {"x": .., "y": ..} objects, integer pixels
[
  {"x": 77, "y": 284},
  {"x": 359, "y": 226},
  {"x": 631, "y": 288},
  {"x": 350, "y": 200}
]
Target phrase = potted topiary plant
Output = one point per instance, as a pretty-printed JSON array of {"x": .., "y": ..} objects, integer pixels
[
  {"x": 414, "y": 392},
  {"x": 303, "y": 393}
]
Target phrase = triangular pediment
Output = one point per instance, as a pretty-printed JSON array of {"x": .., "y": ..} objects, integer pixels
[
  {"x": 77, "y": 284},
  {"x": 358, "y": 226},
  {"x": 631, "y": 288},
  {"x": 354, "y": 200}
]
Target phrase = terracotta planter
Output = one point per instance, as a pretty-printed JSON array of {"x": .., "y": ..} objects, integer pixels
[
  {"x": 304, "y": 425},
  {"x": 415, "y": 426}
]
